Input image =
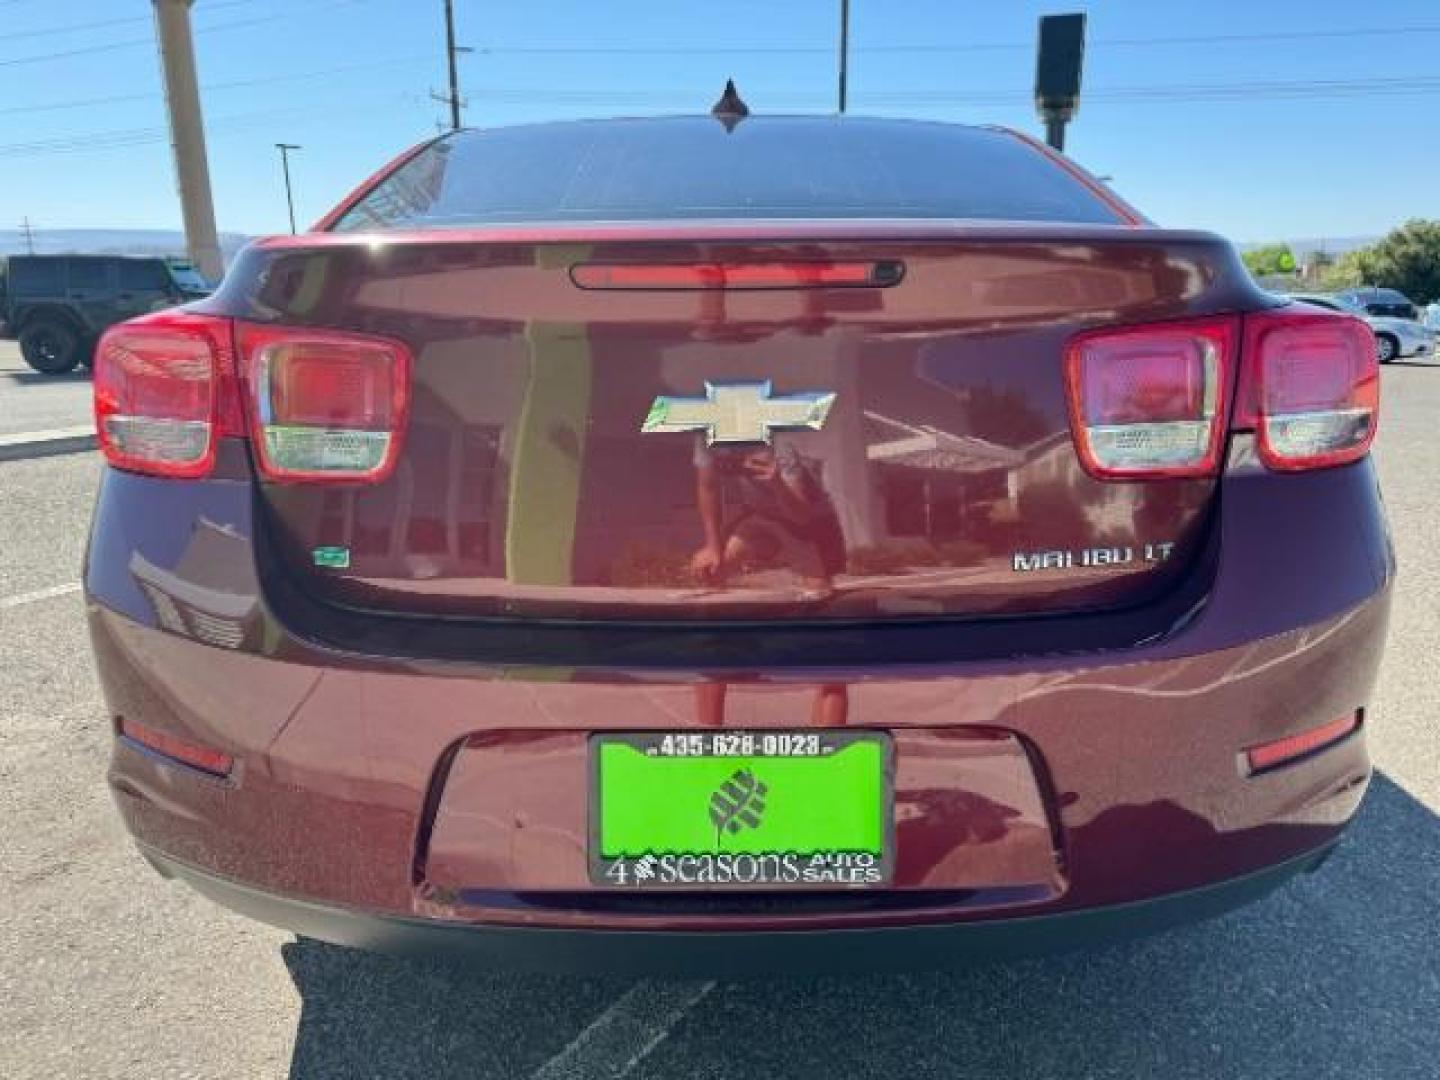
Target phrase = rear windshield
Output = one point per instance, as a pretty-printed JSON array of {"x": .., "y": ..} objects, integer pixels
[{"x": 692, "y": 168}]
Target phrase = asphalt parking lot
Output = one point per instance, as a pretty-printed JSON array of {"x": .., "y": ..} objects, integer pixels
[
  {"x": 31, "y": 402},
  {"x": 110, "y": 972}
]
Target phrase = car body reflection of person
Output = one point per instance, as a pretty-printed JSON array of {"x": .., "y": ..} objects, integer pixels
[{"x": 782, "y": 518}]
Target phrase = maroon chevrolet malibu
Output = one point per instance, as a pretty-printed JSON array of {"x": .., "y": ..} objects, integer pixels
[{"x": 716, "y": 544}]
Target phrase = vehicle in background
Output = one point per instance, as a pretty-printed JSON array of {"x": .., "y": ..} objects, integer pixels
[
  {"x": 1395, "y": 338},
  {"x": 1432, "y": 316},
  {"x": 57, "y": 305},
  {"x": 1383, "y": 303},
  {"x": 772, "y": 543}
]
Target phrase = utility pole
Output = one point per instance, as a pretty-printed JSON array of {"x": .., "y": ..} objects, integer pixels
[
  {"x": 29, "y": 236},
  {"x": 844, "y": 48},
  {"x": 285, "y": 148},
  {"x": 187, "y": 135},
  {"x": 452, "y": 50}
]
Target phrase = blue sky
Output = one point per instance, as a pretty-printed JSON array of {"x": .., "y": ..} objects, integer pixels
[{"x": 1281, "y": 118}]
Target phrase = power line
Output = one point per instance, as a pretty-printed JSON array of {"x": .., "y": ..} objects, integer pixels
[
  {"x": 78, "y": 103},
  {"x": 929, "y": 47},
  {"x": 1159, "y": 93},
  {"x": 128, "y": 43},
  {"x": 124, "y": 138},
  {"x": 41, "y": 58},
  {"x": 301, "y": 76},
  {"x": 97, "y": 24},
  {"x": 1166, "y": 93},
  {"x": 1307, "y": 89},
  {"x": 1217, "y": 89},
  {"x": 74, "y": 28},
  {"x": 1276, "y": 35}
]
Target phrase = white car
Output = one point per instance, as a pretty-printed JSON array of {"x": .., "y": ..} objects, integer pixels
[{"x": 1394, "y": 338}]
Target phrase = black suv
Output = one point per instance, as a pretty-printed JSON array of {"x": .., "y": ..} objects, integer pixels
[{"x": 57, "y": 305}]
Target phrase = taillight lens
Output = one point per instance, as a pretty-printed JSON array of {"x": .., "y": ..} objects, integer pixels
[
  {"x": 164, "y": 391},
  {"x": 1150, "y": 401},
  {"x": 325, "y": 405},
  {"x": 1312, "y": 388}
]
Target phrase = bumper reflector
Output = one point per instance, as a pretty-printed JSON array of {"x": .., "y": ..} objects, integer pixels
[
  {"x": 1293, "y": 747},
  {"x": 204, "y": 758}
]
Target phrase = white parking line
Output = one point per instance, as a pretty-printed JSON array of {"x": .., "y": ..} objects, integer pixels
[
  {"x": 624, "y": 1034},
  {"x": 20, "y": 599},
  {"x": 32, "y": 444}
]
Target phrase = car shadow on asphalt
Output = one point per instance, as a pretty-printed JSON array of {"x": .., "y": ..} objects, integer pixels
[
  {"x": 34, "y": 378},
  {"x": 1337, "y": 974}
]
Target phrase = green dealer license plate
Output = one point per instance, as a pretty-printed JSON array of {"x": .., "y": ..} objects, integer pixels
[{"x": 740, "y": 809}]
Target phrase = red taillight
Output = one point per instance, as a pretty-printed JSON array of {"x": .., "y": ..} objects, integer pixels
[
  {"x": 324, "y": 405},
  {"x": 1311, "y": 388},
  {"x": 164, "y": 391},
  {"x": 1150, "y": 401},
  {"x": 725, "y": 275},
  {"x": 205, "y": 758},
  {"x": 1294, "y": 747}
]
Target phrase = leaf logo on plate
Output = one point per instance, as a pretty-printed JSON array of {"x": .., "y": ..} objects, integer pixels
[{"x": 739, "y": 803}]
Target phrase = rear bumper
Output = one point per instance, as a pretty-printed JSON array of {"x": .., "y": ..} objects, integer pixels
[
  {"x": 344, "y": 756},
  {"x": 737, "y": 954}
]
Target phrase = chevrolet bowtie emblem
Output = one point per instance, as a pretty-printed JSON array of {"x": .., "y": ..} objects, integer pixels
[{"x": 739, "y": 412}]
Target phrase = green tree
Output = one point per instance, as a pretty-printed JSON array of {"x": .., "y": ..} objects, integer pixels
[
  {"x": 1407, "y": 259},
  {"x": 1271, "y": 259},
  {"x": 1344, "y": 272}
]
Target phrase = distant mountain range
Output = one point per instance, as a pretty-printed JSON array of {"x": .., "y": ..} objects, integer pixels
[{"x": 109, "y": 242}]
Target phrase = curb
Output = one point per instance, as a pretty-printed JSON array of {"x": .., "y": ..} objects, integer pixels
[{"x": 34, "y": 444}]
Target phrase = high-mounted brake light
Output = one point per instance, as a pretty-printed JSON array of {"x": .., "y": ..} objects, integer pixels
[
  {"x": 164, "y": 392},
  {"x": 803, "y": 274},
  {"x": 1150, "y": 401},
  {"x": 324, "y": 405},
  {"x": 1310, "y": 388}
]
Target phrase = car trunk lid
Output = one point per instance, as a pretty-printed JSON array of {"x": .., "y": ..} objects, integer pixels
[{"x": 587, "y": 446}]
